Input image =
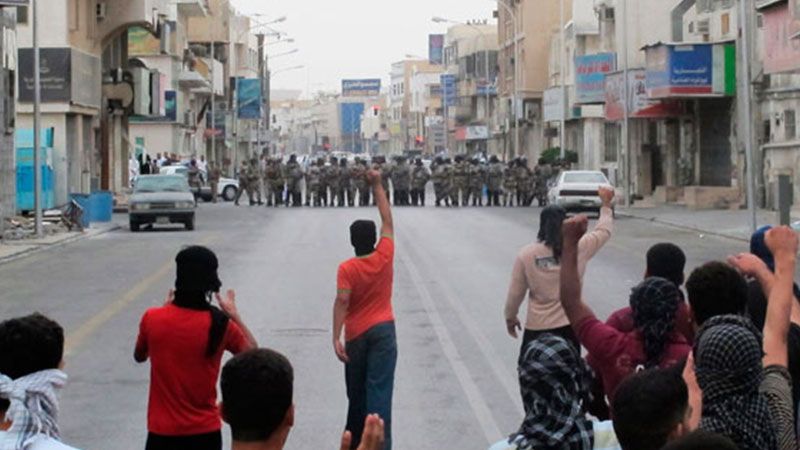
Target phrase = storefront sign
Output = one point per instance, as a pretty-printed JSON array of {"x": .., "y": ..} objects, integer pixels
[
  {"x": 472, "y": 133},
  {"x": 436, "y": 49},
  {"x": 639, "y": 105},
  {"x": 249, "y": 98},
  {"x": 590, "y": 74},
  {"x": 781, "y": 50},
  {"x": 361, "y": 88},
  {"x": 67, "y": 75},
  {"x": 449, "y": 93},
  {"x": 695, "y": 70}
]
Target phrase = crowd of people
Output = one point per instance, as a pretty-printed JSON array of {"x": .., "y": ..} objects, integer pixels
[
  {"x": 715, "y": 368},
  {"x": 334, "y": 182}
]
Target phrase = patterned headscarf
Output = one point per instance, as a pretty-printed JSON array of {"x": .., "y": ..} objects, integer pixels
[
  {"x": 555, "y": 384},
  {"x": 728, "y": 361},
  {"x": 654, "y": 303},
  {"x": 34, "y": 407}
]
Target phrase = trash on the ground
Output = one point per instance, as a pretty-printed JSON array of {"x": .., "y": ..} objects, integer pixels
[{"x": 20, "y": 227}]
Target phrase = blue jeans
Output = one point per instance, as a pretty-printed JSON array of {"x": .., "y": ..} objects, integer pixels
[{"x": 370, "y": 379}]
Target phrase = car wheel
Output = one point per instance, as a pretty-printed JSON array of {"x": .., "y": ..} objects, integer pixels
[
  {"x": 134, "y": 226},
  {"x": 229, "y": 193},
  {"x": 190, "y": 224}
]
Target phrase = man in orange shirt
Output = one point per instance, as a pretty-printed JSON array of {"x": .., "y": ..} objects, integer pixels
[{"x": 363, "y": 308}]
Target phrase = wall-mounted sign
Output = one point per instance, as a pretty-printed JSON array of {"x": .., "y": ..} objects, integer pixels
[
  {"x": 361, "y": 88},
  {"x": 590, "y": 75},
  {"x": 696, "y": 70}
]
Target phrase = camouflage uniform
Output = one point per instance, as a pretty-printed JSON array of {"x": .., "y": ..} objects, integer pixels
[
  {"x": 294, "y": 175},
  {"x": 274, "y": 180},
  {"x": 358, "y": 177},
  {"x": 419, "y": 180},
  {"x": 345, "y": 185},
  {"x": 477, "y": 176},
  {"x": 509, "y": 184},
  {"x": 494, "y": 181},
  {"x": 524, "y": 183},
  {"x": 312, "y": 184},
  {"x": 460, "y": 177},
  {"x": 401, "y": 182},
  {"x": 244, "y": 184},
  {"x": 214, "y": 175},
  {"x": 334, "y": 181}
]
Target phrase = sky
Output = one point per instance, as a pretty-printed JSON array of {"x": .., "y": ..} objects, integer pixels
[{"x": 354, "y": 38}]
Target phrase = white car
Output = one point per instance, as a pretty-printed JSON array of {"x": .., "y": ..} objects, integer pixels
[
  {"x": 577, "y": 190},
  {"x": 226, "y": 190}
]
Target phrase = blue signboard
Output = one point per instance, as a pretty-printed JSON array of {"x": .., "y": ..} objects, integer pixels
[
  {"x": 436, "y": 49},
  {"x": 691, "y": 70},
  {"x": 361, "y": 88},
  {"x": 249, "y": 98},
  {"x": 171, "y": 106},
  {"x": 351, "y": 118},
  {"x": 449, "y": 90},
  {"x": 590, "y": 76}
]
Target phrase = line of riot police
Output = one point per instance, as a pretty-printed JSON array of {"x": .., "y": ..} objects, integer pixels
[{"x": 336, "y": 182}]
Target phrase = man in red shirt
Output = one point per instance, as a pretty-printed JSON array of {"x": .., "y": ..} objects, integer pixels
[
  {"x": 363, "y": 309},
  {"x": 185, "y": 340}
]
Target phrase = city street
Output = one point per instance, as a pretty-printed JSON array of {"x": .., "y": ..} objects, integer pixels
[{"x": 456, "y": 379}]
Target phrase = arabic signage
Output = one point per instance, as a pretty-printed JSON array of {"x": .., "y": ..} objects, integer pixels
[
  {"x": 639, "y": 105},
  {"x": 67, "y": 75},
  {"x": 590, "y": 74},
  {"x": 691, "y": 70},
  {"x": 361, "y": 88},
  {"x": 472, "y": 133},
  {"x": 449, "y": 90},
  {"x": 436, "y": 49},
  {"x": 248, "y": 97},
  {"x": 781, "y": 51}
]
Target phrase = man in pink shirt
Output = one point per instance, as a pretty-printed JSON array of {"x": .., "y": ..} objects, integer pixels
[{"x": 617, "y": 354}]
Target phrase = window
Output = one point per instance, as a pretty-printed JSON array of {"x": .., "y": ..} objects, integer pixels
[
  {"x": 22, "y": 15},
  {"x": 725, "y": 20},
  {"x": 767, "y": 131},
  {"x": 612, "y": 142},
  {"x": 790, "y": 124}
]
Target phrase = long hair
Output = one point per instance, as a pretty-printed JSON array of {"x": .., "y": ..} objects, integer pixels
[
  {"x": 550, "y": 228},
  {"x": 195, "y": 283}
]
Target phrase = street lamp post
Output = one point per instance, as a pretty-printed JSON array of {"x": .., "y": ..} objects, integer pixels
[
  {"x": 563, "y": 52},
  {"x": 745, "y": 8},
  {"x": 517, "y": 71},
  {"x": 37, "y": 122}
]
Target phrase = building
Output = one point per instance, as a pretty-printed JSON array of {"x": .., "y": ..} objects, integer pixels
[
  {"x": 8, "y": 69},
  {"x": 401, "y": 127},
  {"x": 427, "y": 111},
  {"x": 471, "y": 55}
]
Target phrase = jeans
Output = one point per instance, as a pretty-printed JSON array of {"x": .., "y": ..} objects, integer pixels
[{"x": 370, "y": 379}]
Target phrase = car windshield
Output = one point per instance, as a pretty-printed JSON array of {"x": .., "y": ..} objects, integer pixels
[
  {"x": 161, "y": 183},
  {"x": 585, "y": 177}
]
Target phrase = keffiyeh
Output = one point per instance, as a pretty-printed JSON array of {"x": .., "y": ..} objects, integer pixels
[
  {"x": 555, "y": 384},
  {"x": 34, "y": 407},
  {"x": 728, "y": 362},
  {"x": 654, "y": 303}
]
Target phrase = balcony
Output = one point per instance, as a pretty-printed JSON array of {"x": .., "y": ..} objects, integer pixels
[{"x": 192, "y": 8}]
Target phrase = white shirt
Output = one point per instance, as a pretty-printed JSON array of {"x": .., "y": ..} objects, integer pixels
[
  {"x": 202, "y": 165},
  {"x": 43, "y": 443}
]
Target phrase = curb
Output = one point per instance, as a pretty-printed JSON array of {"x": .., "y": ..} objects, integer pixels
[
  {"x": 680, "y": 226},
  {"x": 65, "y": 242}
]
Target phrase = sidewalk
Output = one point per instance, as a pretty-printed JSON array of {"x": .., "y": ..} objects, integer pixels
[
  {"x": 12, "y": 250},
  {"x": 726, "y": 223}
]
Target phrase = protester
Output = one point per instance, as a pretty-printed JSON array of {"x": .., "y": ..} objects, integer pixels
[
  {"x": 664, "y": 260},
  {"x": 716, "y": 289},
  {"x": 652, "y": 408},
  {"x": 31, "y": 357},
  {"x": 536, "y": 272},
  {"x": 701, "y": 440},
  {"x": 555, "y": 384},
  {"x": 617, "y": 354},
  {"x": 185, "y": 340},
  {"x": 363, "y": 310},
  {"x": 257, "y": 402}
]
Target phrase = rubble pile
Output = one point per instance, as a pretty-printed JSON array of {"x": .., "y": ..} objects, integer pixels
[{"x": 21, "y": 227}]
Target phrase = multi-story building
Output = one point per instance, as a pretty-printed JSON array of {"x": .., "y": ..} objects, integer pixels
[
  {"x": 427, "y": 111},
  {"x": 402, "y": 129},
  {"x": 525, "y": 27},
  {"x": 471, "y": 55},
  {"x": 8, "y": 69}
]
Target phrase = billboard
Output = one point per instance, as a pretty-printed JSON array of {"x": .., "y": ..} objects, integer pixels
[
  {"x": 590, "y": 75},
  {"x": 781, "y": 51},
  {"x": 67, "y": 75},
  {"x": 436, "y": 49},
  {"x": 248, "y": 98},
  {"x": 695, "y": 70},
  {"x": 639, "y": 105},
  {"x": 351, "y": 118},
  {"x": 449, "y": 90},
  {"x": 141, "y": 42},
  {"x": 361, "y": 88}
]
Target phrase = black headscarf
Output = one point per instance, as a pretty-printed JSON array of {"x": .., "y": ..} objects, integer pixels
[
  {"x": 363, "y": 236},
  {"x": 654, "y": 303},
  {"x": 195, "y": 283},
  {"x": 728, "y": 361},
  {"x": 555, "y": 383},
  {"x": 550, "y": 228}
]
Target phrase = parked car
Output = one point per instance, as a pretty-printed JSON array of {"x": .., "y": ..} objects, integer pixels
[
  {"x": 226, "y": 190},
  {"x": 577, "y": 190},
  {"x": 161, "y": 200}
]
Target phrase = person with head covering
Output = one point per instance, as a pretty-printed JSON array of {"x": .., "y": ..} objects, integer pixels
[
  {"x": 555, "y": 384},
  {"x": 616, "y": 354},
  {"x": 184, "y": 341},
  {"x": 31, "y": 358},
  {"x": 364, "y": 337},
  {"x": 536, "y": 272}
]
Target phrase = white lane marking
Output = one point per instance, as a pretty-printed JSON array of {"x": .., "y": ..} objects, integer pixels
[
  {"x": 506, "y": 378},
  {"x": 476, "y": 401}
]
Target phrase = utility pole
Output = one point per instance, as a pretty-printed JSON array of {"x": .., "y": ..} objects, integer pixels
[
  {"x": 563, "y": 132},
  {"x": 626, "y": 112},
  {"x": 213, "y": 103},
  {"x": 261, "y": 72},
  {"x": 747, "y": 92},
  {"x": 37, "y": 122}
]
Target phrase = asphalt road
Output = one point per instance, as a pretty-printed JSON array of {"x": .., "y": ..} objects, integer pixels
[{"x": 456, "y": 379}]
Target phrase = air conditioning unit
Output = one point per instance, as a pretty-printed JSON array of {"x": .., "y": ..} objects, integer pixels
[
  {"x": 101, "y": 10},
  {"x": 703, "y": 27}
]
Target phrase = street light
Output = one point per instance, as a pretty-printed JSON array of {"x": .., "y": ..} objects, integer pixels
[
  {"x": 290, "y": 52},
  {"x": 280, "y": 41},
  {"x": 286, "y": 69}
]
